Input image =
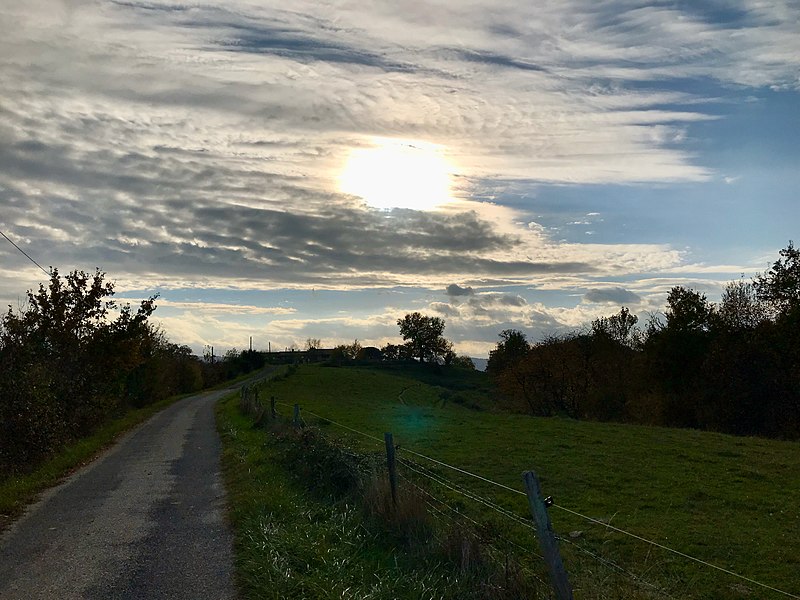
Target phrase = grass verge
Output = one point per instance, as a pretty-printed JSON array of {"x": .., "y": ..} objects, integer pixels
[{"x": 313, "y": 520}]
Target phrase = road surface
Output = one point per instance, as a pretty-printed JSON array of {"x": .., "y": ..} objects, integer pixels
[{"x": 146, "y": 520}]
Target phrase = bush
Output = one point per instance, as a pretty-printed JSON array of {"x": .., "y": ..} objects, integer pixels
[{"x": 72, "y": 358}]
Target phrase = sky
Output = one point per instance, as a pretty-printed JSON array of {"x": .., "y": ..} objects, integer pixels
[{"x": 287, "y": 170}]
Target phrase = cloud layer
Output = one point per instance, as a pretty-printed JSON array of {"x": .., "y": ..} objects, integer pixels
[{"x": 198, "y": 145}]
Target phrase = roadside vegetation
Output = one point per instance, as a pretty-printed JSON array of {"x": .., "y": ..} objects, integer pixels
[
  {"x": 726, "y": 500},
  {"x": 314, "y": 519},
  {"x": 19, "y": 489},
  {"x": 77, "y": 370}
]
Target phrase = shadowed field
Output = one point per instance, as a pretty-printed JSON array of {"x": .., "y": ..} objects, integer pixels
[{"x": 727, "y": 500}]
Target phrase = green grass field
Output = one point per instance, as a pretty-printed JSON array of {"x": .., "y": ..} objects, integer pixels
[
  {"x": 730, "y": 501},
  {"x": 297, "y": 540}
]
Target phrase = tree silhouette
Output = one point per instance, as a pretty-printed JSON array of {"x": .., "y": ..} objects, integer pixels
[
  {"x": 780, "y": 286},
  {"x": 424, "y": 335},
  {"x": 512, "y": 347}
]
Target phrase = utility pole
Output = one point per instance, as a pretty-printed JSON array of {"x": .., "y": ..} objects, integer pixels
[{"x": 251, "y": 343}]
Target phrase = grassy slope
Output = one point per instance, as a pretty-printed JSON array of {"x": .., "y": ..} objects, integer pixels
[
  {"x": 730, "y": 501},
  {"x": 291, "y": 543}
]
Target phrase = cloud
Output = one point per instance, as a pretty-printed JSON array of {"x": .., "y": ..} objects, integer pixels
[
  {"x": 615, "y": 295},
  {"x": 475, "y": 307},
  {"x": 444, "y": 308},
  {"x": 497, "y": 299},
  {"x": 199, "y": 145},
  {"x": 455, "y": 290},
  {"x": 217, "y": 308}
]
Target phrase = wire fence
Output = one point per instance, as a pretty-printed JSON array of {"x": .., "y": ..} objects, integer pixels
[
  {"x": 526, "y": 524},
  {"x": 462, "y": 491}
]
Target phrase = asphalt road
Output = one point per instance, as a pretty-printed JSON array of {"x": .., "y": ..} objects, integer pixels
[{"x": 146, "y": 520}]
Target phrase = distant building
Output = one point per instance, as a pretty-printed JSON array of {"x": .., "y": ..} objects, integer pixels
[{"x": 300, "y": 356}]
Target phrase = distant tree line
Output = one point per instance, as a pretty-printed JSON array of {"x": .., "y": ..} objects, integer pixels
[
  {"x": 72, "y": 358},
  {"x": 732, "y": 366},
  {"x": 424, "y": 343}
]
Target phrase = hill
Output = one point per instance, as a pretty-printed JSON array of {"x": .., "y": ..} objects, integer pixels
[{"x": 726, "y": 500}]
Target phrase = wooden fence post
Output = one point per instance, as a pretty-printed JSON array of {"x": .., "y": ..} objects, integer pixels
[
  {"x": 272, "y": 407},
  {"x": 296, "y": 419},
  {"x": 547, "y": 540},
  {"x": 391, "y": 463}
]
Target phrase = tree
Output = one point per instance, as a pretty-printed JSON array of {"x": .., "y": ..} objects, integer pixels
[
  {"x": 676, "y": 354},
  {"x": 64, "y": 363},
  {"x": 463, "y": 362},
  {"x": 512, "y": 347},
  {"x": 620, "y": 328},
  {"x": 395, "y": 352},
  {"x": 549, "y": 379},
  {"x": 780, "y": 286},
  {"x": 688, "y": 310},
  {"x": 740, "y": 308},
  {"x": 610, "y": 359},
  {"x": 354, "y": 349},
  {"x": 312, "y": 344},
  {"x": 424, "y": 335},
  {"x": 344, "y": 352}
]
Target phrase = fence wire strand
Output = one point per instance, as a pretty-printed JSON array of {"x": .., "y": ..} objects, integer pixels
[
  {"x": 468, "y": 518},
  {"x": 562, "y": 508},
  {"x": 677, "y": 552},
  {"x": 332, "y": 422},
  {"x": 465, "y": 492},
  {"x": 460, "y": 470},
  {"x": 611, "y": 564}
]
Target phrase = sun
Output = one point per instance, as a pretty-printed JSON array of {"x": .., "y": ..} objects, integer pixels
[{"x": 399, "y": 174}]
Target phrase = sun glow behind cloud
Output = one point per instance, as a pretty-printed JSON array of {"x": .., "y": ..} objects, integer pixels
[
  {"x": 399, "y": 174},
  {"x": 212, "y": 164}
]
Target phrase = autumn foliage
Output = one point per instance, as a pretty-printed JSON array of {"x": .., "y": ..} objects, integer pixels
[
  {"x": 71, "y": 358},
  {"x": 732, "y": 366}
]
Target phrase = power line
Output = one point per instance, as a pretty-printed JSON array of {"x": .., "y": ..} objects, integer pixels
[{"x": 28, "y": 256}]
